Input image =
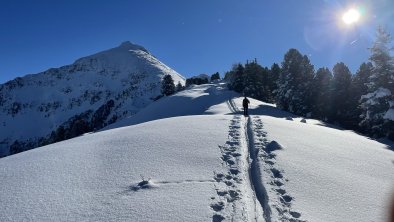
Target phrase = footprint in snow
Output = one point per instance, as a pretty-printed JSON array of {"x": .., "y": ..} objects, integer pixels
[
  {"x": 217, "y": 218},
  {"x": 295, "y": 214},
  {"x": 276, "y": 173},
  {"x": 217, "y": 206}
]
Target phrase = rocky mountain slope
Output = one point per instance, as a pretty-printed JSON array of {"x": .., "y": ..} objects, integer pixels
[{"x": 87, "y": 95}]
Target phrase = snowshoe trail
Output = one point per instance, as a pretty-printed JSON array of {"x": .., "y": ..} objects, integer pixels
[
  {"x": 251, "y": 176},
  {"x": 229, "y": 204}
]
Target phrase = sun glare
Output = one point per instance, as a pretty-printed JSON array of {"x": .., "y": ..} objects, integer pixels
[{"x": 351, "y": 16}]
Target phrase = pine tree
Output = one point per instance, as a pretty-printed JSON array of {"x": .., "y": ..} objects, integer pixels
[
  {"x": 167, "y": 85},
  {"x": 294, "y": 91},
  {"x": 215, "y": 76},
  {"x": 361, "y": 78},
  {"x": 272, "y": 78},
  {"x": 340, "y": 94},
  {"x": 321, "y": 94},
  {"x": 179, "y": 87},
  {"x": 378, "y": 105},
  {"x": 358, "y": 88},
  {"x": 266, "y": 92},
  {"x": 253, "y": 80},
  {"x": 238, "y": 83}
]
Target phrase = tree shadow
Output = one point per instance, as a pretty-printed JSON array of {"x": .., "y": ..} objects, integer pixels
[
  {"x": 389, "y": 144},
  {"x": 268, "y": 110}
]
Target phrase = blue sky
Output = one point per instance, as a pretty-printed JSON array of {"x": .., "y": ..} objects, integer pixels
[{"x": 192, "y": 37}]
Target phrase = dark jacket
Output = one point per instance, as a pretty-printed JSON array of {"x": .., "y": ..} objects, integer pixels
[{"x": 245, "y": 102}]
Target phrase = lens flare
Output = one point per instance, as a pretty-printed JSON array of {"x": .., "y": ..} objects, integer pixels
[{"x": 351, "y": 16}]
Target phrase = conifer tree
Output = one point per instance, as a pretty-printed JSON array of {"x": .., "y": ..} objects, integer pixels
[
  {"x": 253, "y": 74},
  {"x": 179, "y": 87},
  {"x": 358, "y": 88},
  {"x": 378, "y": 105},
  {"x": 273, "y": 76},
  {"x": 294, "y": 91},
  {"x": 215, "y": 76},
  {"x": 321, "y": 94},
  {"x": 238, "y": 83},
  {"x": 341, "y": 93},
  {"x": 167, "y": 85}
]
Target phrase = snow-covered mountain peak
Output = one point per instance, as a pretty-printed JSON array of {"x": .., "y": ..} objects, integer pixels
[
  {"x": 126, "y": 54},
  {"x": 130, "y": 46},
  {"x": 113, "y": 84}
]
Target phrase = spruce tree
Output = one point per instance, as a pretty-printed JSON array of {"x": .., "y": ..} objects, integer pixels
[
  {"x": 358, "y": 88},
  {"x": 238, "y": 83},
  {"x": 253, "y": 81},
  {"x": 341, "y": 94},
  {"x": 273, "y": 76},
  {"x": 266, "y": 92},
  {"x": 215, "y": 76},
  {"x": 167, "y": 85},
  {"x": 294, "y": 91},
  {"x": 378, "y": 105},
  {"x": 321, "y": 94},
  {"x": 179, "y": 87},
  {"x": 361, "y": 78}
]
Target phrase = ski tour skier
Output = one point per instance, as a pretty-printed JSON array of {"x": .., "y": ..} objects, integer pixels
[{"x": 245, "y": 104}]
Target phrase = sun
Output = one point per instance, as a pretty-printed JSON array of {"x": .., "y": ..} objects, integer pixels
[{"x": 351, "y": 16}]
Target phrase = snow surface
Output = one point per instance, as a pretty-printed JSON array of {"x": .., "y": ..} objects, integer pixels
[{"x": 206, "y": 162}]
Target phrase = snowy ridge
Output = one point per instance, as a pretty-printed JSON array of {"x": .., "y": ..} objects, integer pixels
[
  {"x": 92, "y": 92},
  {"x": 202, "y": 162}
]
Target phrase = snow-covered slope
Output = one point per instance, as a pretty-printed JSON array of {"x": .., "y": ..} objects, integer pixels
[
  {"x": 90, "y": 93},
  {"x": 206, "y": 163}
]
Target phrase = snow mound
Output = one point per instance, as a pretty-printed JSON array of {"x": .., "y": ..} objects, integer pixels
[
  {"x": 144, "y": 184},
  {"x": 273, "y": 146}
]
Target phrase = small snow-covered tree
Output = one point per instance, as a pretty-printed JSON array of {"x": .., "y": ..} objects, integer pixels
[
  {"x": 378, "y": 105},
  {"x": 167, "y": 85}
]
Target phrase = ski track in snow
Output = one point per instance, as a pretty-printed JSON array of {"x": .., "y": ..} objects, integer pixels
[
  {"x": 231, "y": 105},
  {"x": 252, "y": 176},
  {"x": 254, "y": 172}
]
